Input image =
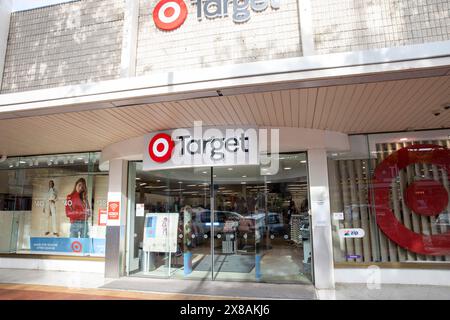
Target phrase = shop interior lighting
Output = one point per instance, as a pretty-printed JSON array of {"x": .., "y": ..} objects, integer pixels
[
  {"x": 404, "y": 139},
  {"x": 287, "y": 168}
]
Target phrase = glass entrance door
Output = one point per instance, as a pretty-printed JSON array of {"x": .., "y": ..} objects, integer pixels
[
  {"x": 170, "y": 222},
  {"x": 222, "y": 223}
]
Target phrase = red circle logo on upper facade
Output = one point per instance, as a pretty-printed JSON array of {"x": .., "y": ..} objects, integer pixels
[
  {"x": 424, "y": 197},
  {"x": 76, "y": 246},
  {"x": 169, "y": 14},
  {"x": 160, "y": 148}
]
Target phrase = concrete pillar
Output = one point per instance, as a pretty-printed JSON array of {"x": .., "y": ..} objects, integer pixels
[
  {"x": 306, "y": 27},
  {"x": 129, "y": 39},
  {"x": 115, "y": 230},
  {"x": 321, "y": 219},
  {"x": 5, "y": 15}
]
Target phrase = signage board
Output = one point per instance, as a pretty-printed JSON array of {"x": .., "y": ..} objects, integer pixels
[
  {"x": 200, "y": 147},
  {"x": 102, "y": 217},
  {"x": 160, "y": 232},
  {"x": 113, "y": 218},
  {"x": 82, "y": 246},
  {"x": 351, "y": 233},
  {"x": 140, "y": 210}
]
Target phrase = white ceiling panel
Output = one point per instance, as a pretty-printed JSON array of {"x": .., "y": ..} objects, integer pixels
[{"x": 395, "y": 105}]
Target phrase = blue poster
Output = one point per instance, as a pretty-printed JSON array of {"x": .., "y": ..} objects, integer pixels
[
  {"x": 68, "y": 245},
  {"x": 151, "y": 227}
]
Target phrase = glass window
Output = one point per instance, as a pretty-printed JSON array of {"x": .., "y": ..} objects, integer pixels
[
  {"x": 53, "y": 205},
  {"x": 235, "y": 223},
  {"x": 390, "y": 198}
]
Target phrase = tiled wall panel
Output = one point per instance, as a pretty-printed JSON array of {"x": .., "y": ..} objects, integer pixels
[
  {"x": 64, "y": 44},
  {"x": 271, "y": 34},
  {"x": 352, "y": 25}
]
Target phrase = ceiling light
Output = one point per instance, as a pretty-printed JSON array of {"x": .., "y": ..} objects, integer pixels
[
  {"x": 303, "y": 161},
  {"x": 138, "y": 178},
  {"x": 244, "y": 176},
  {"x": 158, "y": 180},
  {"x": 404, "y": 139},
  {"x": 230, "y": 169},
  {"x": 287, "y": 168}
]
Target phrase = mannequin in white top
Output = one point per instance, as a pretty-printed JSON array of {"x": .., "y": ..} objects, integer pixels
[{"x": 50, "y": 208}]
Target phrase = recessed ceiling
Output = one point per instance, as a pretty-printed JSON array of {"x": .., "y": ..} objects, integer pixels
[{"x": 396, "y": 105}]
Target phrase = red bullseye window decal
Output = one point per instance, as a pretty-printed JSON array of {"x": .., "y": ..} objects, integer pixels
[
  {"x": 160, "y": 148},
  {"x": 169, "y": 14},
  {"x": 423, "y": 197},
  {"x": 76, "y": 246}
]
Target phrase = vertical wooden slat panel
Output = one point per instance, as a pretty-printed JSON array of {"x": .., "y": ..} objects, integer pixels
[
  {"x": 406, "y": 212},
  {"x": 416, "y": 226},
  {"x": 336, "y": 206},
  {"x": 396, "y": 208},
  {"x": 354, "y": 206},
  {"x": 349, "y": 244},
  {"x": 446, "y": 183},
  {"x": 362, "y": 197},
  {"x": 382, "y": 238},
  {"x": 427, "y": 174},
  {"x": 374, "y": 235},
  {"x": 424, "y": 221}
]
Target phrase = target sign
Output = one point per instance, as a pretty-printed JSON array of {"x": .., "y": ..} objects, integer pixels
[
  {"x": 169, "y": 14},
  {"x": 76, "y": 246},
  {"x": 160, "y": 148},
  {"x": 423, "y": 197}
]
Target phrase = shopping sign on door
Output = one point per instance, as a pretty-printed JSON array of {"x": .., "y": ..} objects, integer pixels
[
  {"x": 113, "y": 213},
  {"x": 199, "y": 147}
]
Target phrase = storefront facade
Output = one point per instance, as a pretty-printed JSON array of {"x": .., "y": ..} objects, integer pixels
[{"x": 297, "y": 142}]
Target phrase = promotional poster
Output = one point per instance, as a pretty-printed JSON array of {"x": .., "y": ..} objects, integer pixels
[{"x": 160, "y": 232}]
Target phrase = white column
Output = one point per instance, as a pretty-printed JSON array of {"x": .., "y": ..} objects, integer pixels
[
  {"x": 306, "y": 27},
  {"x": 129, "y": 39},
  {"x": 115, "y": 232},
  {"x": 5, "y": 15},
  {"x": 321, "y": 220}
]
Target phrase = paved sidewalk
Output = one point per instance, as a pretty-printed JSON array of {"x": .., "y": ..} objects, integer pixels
[{"x": 39, "y": 284}]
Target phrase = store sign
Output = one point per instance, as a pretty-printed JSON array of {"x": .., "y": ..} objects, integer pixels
[
  {"x": 338, "y": 216},
  {"x": 424, "y": 197},
  {"x": 113, "y": 213},
  {"x": 195, "y": 147},
  {"x": 67, "y": 245},
  {"x": 140, "y": 210},
  {"x": 160, "y": 232},
  {"x": 352, "y": 233},
  {"x": 171, "y": 14},
  {"x": 102, "y": 217}
]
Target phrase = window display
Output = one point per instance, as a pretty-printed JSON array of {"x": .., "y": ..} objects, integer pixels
[
  {"x": 53, "y": 204},
  {"x": 222, "y": 223},
  {"x": 393, "y": 193}
]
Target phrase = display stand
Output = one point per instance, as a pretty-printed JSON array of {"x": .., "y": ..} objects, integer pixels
[{"x": 229, "y": 243}]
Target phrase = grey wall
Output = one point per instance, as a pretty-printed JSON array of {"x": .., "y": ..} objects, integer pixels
[
  {"x": 351, "y": 25},
  {"x": 64, "y": 44},
  {"x": 271, "y": 34}
]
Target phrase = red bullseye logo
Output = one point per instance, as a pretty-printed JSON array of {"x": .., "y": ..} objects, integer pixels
[
  {"x": 76, "y": 246},
  {"x": 160, "y": 148},
  {"x": 169, "y": 14},
  {"x": 423, "y": 197}
]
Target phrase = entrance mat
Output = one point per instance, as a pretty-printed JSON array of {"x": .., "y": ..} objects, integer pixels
[{"x": 227, "y": 263}]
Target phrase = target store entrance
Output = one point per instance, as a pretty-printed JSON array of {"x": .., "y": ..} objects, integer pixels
[{"x": 221, "y": 223}]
